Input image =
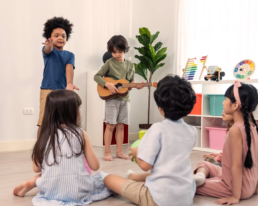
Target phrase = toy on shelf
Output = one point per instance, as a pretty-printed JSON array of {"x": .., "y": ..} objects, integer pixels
[
  {"x": 244, "y": 69},
  {"x": 214, "y": 73},
  {"x": 194, "y": 68}
]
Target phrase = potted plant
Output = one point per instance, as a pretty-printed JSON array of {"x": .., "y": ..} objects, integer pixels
[{"x": 150, "y": 60}]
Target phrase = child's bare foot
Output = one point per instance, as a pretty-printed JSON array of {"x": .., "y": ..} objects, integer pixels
[
  {"x": 108, "y": 157},
  {"x": 122, "y": 155},
  {"x": 25, "y": 187},
  {"x": 22, "y": 189}
]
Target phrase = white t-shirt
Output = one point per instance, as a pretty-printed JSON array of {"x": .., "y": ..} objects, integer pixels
[{"x": 167, "y": 146}]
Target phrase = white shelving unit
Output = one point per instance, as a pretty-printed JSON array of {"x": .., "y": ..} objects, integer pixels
[{"x": 205, "y": 119}]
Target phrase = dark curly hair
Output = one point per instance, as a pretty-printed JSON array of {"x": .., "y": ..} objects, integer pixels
[
  {"x": 249, "y": 99},
  {"x": 119, "y": 42},
  {"x": 175, "y": 96},
  {"x": 57, "y": 22}
]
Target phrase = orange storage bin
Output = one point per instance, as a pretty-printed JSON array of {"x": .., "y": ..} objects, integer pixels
[{"x": 198, "y": 105}]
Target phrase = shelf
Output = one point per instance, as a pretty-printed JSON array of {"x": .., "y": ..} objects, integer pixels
[
  {"x": 210, "y": 116},
  {"x": 205, "y": 149},
  {"x": 224, "y": 81},
  {"x": 194, "y": 115}
]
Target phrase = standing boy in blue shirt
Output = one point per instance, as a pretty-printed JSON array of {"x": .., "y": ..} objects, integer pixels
[{"x": 58, "y": 63}]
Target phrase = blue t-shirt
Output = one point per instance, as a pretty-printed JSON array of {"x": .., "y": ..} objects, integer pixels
[
  {"x": 54, "y": 75},
  {"x": 167, "y": 146}
]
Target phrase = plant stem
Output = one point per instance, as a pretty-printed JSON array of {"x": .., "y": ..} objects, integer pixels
[{"x": 149, "y": 99}]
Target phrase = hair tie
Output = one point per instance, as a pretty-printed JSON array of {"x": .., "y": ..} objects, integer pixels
[{"x": 236, "y": 92}]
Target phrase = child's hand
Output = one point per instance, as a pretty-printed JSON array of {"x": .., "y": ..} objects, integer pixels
[
  {"x": 139, "y": 87},
  {"x": 71, "y": 87},
  {"x": 133, "y": 153},
  {"x": 228, "y": 200},
  {"x": 111, "y": 87},
  {"x": 50, "y": 42}
]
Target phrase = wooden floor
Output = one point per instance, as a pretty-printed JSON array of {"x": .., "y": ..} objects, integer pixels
[{"x": 16, "y": 167}]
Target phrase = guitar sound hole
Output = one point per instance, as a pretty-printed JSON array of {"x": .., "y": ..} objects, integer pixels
[{"x": 119, "y": 86}]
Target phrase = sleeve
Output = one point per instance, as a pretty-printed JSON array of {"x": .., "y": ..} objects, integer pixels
[
  {"x": 101, "y": 73},
  {"x": 131, "y": 78},
  {"x": 149, "y": 146},
  {"x": 71, "y": 60}
]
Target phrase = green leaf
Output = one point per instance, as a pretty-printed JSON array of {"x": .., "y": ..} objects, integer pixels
[
  {"x": 146, "y": 61},
  {"x": 153, "y": 37},
  {"x": 143, "y": 39},
  {"x": 145, "y": 30},
  {"x": 144, "y": 51},
  {"x": 158, "y": 60},
  {"x": 141, "y": 70},
  {"x": 158, "y": 66},
  {"x": 152, "y": 52},
  {"x": 141, "y": 50},
  {"x": 157, "y": 46},
  {"x": 161, "y": 52}
]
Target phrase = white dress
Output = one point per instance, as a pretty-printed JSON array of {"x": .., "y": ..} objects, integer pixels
[{"x": 69, "y": 183}]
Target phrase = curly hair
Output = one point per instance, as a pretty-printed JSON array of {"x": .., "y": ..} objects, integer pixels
[
  {"x": 249, "y": 99},
  {"x": 119, "y": 42},
  {"x": 175, "y": 96},
  {"x": 57, "y": 22}
]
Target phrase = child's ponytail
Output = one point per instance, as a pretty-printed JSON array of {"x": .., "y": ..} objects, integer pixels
[{"x": 248, "y": 160}]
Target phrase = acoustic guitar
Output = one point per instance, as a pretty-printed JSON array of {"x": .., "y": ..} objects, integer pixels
[{"x": 122, "y": 85}]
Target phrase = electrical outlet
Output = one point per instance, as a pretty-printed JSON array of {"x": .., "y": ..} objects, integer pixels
[{"x": 28, "y": 111}]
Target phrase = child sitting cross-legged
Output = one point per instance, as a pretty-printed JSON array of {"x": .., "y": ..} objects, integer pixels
[
  {"x": 165, "y": 150},
  {"x": 58, "y": 154},
  {"x": 238, "y": 177}
]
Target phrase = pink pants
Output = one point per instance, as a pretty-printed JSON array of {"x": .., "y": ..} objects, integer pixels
[{"x": 214, "y": 186}]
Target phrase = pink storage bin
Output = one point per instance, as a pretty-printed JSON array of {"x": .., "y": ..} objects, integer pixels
[{"x": 217, "y": 137}]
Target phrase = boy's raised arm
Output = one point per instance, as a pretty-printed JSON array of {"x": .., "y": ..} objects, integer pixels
[{"x": 48, "y": 45}]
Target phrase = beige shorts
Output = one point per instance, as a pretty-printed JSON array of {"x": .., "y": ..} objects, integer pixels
[
  {"x": 137, "y": 193},
  {"x": 42, "y": 103}
]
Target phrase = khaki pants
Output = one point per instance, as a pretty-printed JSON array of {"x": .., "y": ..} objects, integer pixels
[
  {"x": 137, "y": 193},
  {"x": 42, "y": 100}
]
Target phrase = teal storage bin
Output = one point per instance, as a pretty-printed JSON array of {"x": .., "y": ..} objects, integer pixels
[{"x": 216, "y": 106}]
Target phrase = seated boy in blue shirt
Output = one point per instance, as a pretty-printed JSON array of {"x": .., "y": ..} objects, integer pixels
[
  {"x": 58, "y": 63},
  {"x": 165, "y": 151}
]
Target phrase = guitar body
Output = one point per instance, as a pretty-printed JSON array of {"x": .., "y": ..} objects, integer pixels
[{"x": 105, "y": 94}]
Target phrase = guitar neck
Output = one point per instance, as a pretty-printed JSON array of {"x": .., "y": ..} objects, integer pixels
[{"x": 134, "y": 85}]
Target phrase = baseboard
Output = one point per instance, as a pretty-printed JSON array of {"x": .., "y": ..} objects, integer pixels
[
  {"x": 133, "y": 136},
  {"x": 8, "y": 146}
]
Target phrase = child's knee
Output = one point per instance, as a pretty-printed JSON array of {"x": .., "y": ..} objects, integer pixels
[
  {"x": 120, "y": 126},
  {"x": 110, "y": 127}
]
